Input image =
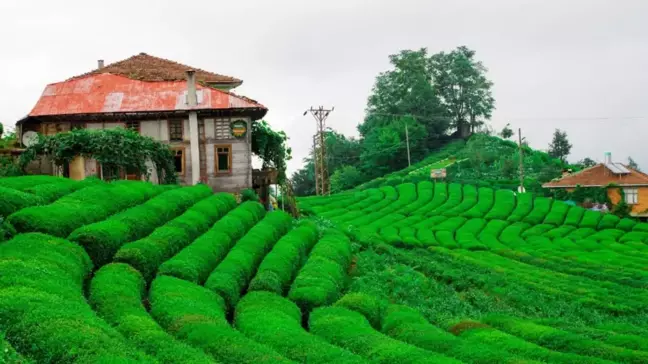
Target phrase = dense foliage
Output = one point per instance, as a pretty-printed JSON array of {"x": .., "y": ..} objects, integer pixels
[
  {"x": 271, "y": 147},
  {"x": 116, "y": 149}
]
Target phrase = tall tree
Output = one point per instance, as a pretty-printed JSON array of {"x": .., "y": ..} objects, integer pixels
[
  {"x": 507, "y": 132},
  {"x": 586, "y": 162},
  {"x": 632, "y": 164},
  {"x": 560, "y": 147},
  {"x": 407, "y": 89}
]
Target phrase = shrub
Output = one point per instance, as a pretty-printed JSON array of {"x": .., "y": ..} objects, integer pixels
[
  {"x": 557, "y": 214},
  {"x": 350, "y": 330},
  {"x": 50, "y": 192},
  {"x": 147, "y": 254},
  {"x": 196, "y": 316},
  {"x": 425, "y": 192},
  {"x": 14, "y": 200},
  {"x": 42, "y": 307},
  {"x": 82, "y": 207},
  {"x": 233, "y": 274},
  {"x": 116, "y": 293},
  {"x": 626, "y": 224},
  {"x": 591, "y": 219},
  {"x": 280, "y": 266},
  {"x": 22, "y": 183},
  {"x": 469, "y": 200},
  {"x": 503, "y": 207},
  {"x": 249, "y": 194},
  {"x": 197, "y": 260},
  {"x": 523, "y": 208},
  {"x": 559, "y": 232},
  {"x": 455, "y": 196},
  {"x": 103, "y": 239},
  {"x": 321, "y": 280},
  {"x": 369, "y": 306},
  {"x": 426, "y": 237},
  {"x": 484, "y": 204},
  {"x": 439, "y": 198},
  {"x": 276, "y": 322}
]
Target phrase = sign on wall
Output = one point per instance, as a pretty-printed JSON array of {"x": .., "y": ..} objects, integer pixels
[
  {"x": 438, "y": 173},
  {"x": 239, "y": 128}
]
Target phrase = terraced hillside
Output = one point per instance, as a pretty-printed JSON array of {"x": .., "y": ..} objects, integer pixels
[{"x": 129, "y": 272}]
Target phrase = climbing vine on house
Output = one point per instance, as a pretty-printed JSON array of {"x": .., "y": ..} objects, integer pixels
[
  {"x": 115, "y": 149},
  {"x": 270, "y": 146},
  {"x": 582, "y": 195}
]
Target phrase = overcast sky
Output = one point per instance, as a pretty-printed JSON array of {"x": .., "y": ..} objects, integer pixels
[{"x": 578, "y": 65}]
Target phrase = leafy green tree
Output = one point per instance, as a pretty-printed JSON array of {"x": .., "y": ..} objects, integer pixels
[
  {"x": 407, "y": 89},
  {"x": 586, "y": 162},
  {"x": 507, "y": 132},
  {"x": 303, "y": 181},
  {"x": 270, "y": 146},
  {"x": 346, "y": 178},
  {"x": 632, "y": 164},
  {"x": 560, "y": 146},
  {"x": 1, "y": 130},
  {"x": 465, "y": 92}
]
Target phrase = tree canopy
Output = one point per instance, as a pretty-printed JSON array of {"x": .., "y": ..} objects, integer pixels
[
  {"x": 270, "y": 146},
  {"x": 560, "y": 146}
]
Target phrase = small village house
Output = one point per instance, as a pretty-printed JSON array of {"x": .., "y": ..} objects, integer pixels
[
  {"x": 195, "y": 112},
  {"x": 633, "y": 183}
]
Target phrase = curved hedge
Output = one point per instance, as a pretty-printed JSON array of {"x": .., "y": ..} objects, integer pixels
[
  {"x": 276, "y": 322},
  {"x": 352, "y": 331},
  {"x": 195, "y": 262},
  {"x": 82, "y": 207},
  {"x": 321, "y": 280},
  {"x": 196, "y": 316},
  {"x": 280, "y": 266},
  {"x": 148, "y": 253},
  {"x": 116, "y": 293},
  {"x": 42, "y": 308},
  {"x": 103, "y": 239},
  {"x": 14, "y": 200},
  {"x": 233, "y": 274}
]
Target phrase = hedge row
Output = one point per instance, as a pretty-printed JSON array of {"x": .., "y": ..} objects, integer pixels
[
  {"x": 82, "y": 207},
  {"x": 323, "y": 277},
  {"x": 557, "y": 339},
  {"x": 523, "y": 207},
  {"x": 280, "y": 266},
  {"x": 468, "y": 201},
  {"x": 22, "y": 183},
  {"x": 51, "y": 192},
  {"x": 196, "y": 316},
  {"x": 352, "y": 331},
  {"x": 8, "y": 354},
  {"x": 42, "y": 308},
  {"x": 116, "y": 293},
  {"x": 14, "y": 200},
  {"x": 103, "y": 239},
  {"x": 425, "y": 193},
  {"x": 195, "y": 262},
  {"x": 147, "y": 254},
  {"x": 276, "y": 322},
  {"x": 233, "y": 274},
  {"x": 485, "y": 201},
  {"x": 503, "y": 207},
  {"x": 408, "y": 325}
]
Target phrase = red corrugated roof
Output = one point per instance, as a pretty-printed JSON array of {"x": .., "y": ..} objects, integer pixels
[
  {"x": 108, "y": 93},
  {"x": 598, "y": 176},
  {"x": 144, "y": 67}
]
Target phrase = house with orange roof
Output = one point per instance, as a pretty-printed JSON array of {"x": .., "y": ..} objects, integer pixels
[
  {"x": 195, "y": 112},
  {"x": 616, "y": 177}
]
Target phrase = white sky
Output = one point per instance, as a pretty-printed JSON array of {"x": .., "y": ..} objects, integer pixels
[{"x": 576, "y": 65}]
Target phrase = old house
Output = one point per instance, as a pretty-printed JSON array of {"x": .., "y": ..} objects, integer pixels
[
  {"x": 195, "y": 112},
  {"x": 633, "y": 183}
]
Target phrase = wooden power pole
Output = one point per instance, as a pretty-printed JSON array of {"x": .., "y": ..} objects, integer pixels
[
  {"x": 521, "y": 152},
  {"x": 322, "y": 184}
]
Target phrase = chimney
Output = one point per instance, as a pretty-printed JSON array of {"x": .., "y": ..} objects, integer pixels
[
  {"x": 100, "y": 64},
  {"x": 192, "y": 98},
  {"x": 608, "y": 158}
]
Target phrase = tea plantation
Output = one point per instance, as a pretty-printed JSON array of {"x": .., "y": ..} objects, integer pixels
[{"x": 130, "y": 272}]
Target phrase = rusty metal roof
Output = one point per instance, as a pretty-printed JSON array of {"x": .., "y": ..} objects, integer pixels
[
  {"x": 599, "y": 176},
  {"x": 108, "y": 93},
  {"x": 144, "y": 67}
]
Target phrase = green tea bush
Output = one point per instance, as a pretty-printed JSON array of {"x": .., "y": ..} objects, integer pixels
[
  {"x": 426, "y": 237},
  {"x": 148, "y": 253},
  {"x": 580, "y": 233},
  {"x": 116, "y": 293},
  {"x": 14, "y": 200},
  {"x": 234, "y": 273},
  {"x": 22, "y": 183},
  {"x": 511, "y": 235},
  {"x": 196, "y": 316},
  {"x": 451, "y": 224},
  {"x": 455, "y": 196},
  {"x": 591, "y": 219},
  {"x": 642, "y": 226},
  {"x": 574, "y": 216},
  {"x": 408, "y": 237},
  {"x": 439, "y": 198},
  {"x": 280, "y": 266},
  {"x": 485, "y": 201},
  {"x": 557, "y": 214},
  {"x": 626, "y": 224},
  {"x": 352, "y": 331},
  {"x": 103, "y": 239},
  {"x": 639, "y": 236},
  {"x": 446, "y": 239},
  {"x": 322, "y": 279},
  {"x": 195, "y": 262},
  {"x": 469, "y": 201},
  {"x": 559, "y": 232},
  {"x": 537, "y": 230},
  {"x": 430, "y": 222},
  {"x": 523, "y": 208},
  {"x": 608, "y": 234},
  {"x": 274, "y": 321},
  {"x": 369, "y": 306},
  {"x": 83, "y": 207},
  {"x": 51, "y": 192},
  {"x": 42, "y": 308},
  {"x": 425, "y": 192},
  {"x": 503, "y": 207}
]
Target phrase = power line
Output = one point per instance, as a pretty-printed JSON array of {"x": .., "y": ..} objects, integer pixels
[{"x": 321, "y": 170}]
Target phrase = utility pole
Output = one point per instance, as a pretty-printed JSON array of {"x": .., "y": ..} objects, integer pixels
[
  {"x": 321, "y": 172},
  {"x": 521, "y": 152},
  {"x": 409, "y": 162},
  {"x": 315, "y": 157}
]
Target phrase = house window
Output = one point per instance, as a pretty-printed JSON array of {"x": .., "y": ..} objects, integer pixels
[
  {"x": 222, "y": 130},
  {"x": 175, "y": 130},
  {"x": 133, "y": 125},
  {"x": 179, "y": 160},
  {"x": 631, "y": 196},
  {"x": 223, "y": 158}
]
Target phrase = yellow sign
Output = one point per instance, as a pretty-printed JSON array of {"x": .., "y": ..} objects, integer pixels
[{"x": 239, "y": 128}]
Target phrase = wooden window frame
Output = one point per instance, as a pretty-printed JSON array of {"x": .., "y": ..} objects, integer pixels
[
  {"x": 169, "y": 122},
  {"x": 633, "y": 191},
  {"x": 217, "y": 172},
  {"x": 139, "y": 126},
  {"x": 183, "y": 161}
]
